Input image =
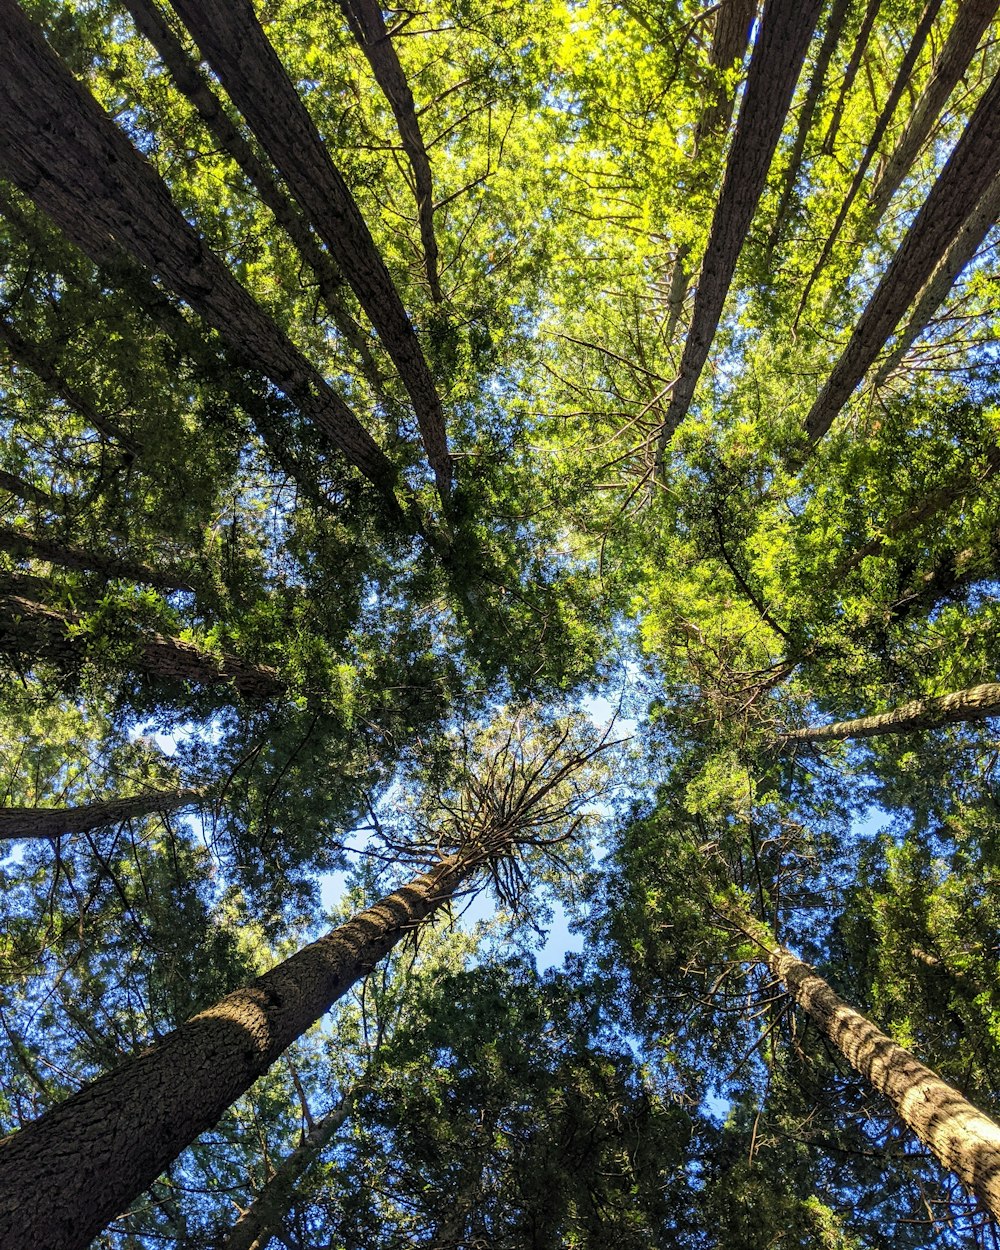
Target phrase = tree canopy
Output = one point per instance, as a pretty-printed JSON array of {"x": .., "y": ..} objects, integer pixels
[{"x": 476, "y": 471}]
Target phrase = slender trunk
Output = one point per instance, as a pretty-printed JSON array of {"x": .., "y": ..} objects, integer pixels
[
  {"x": 51, "y": 822},
  {"x": 70, "y": 1172},
  {"x": 971, "y": 20},
  {"x": 30, "y": 494},
  {"x": 831, "y": 38},
  {"x": 975, "y": 703},
  {"x": 853, "y": 65},
  {"x": 192, "y": 84},
  {"x": 938, "y": 287},
  {"x": 962, "y": 1138},
  {"x": 234, "y": 44},
  {"x": 368, "y": 25},
  {"x": 65, "y": 153},
  {"x": 32, "y": 631},
  {"x": 27, "y": 546},
  {"x": 906, "y": 68},
  {"x": 968, "y": 172},
  {"x": 784, "y": 35},
  {"x": 261, "y": 1221}
]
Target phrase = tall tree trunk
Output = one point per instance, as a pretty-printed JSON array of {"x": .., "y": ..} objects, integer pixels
[
  {"x": 968, "y": 172},
  {"x": 32, "y": 631},
  {"x": 50, "y": 822},
  {"x": 962, "y": 1138},
  {"x": 853, "y": 65},
  {"x": 30, "y": 494},
  {"x": 192, "y": 84},
  {"x": 784, "y": 35},
  {"x": 234, "y": 44},
  {"x": 28, "y": 546},
  {"x": 65, "y": 153},
  {"x": 971, "y": 20},
  {"x": 975, "y": 703},
  {"x": 938, "y": 287},
  {"x": 68, "y": 1173},
  {"x": 366, "y": 21},
  {"x": 261, "y": 1221}
]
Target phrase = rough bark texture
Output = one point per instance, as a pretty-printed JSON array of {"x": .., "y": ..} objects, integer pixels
[
  {"x": 968, "y": 28},
  {"x": 27, "y": 546},
  {"x": 51, "y": 822},
  {"x": 784, "y": 35},
  {"x": 68, "y": 1173},
  {"x": 962, "y": 1138},
  {"x": 938, "y": 287},
  {"x": 234, "y": 44},
  {"x": 973, "y": 704},
  {"x": 261, "y": 1221},
  {"x": 31, "y": 631},
  {"x": 969, "y": 171},
  {"x": 66, "y": 154},
  {"x": 851, "y": 72}
]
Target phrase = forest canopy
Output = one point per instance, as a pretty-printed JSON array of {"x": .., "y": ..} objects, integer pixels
[{"x": 499, "y": 552}]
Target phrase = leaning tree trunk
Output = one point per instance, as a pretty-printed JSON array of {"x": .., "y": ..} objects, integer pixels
[
  {"x": 70, "y": 1172},
  {"x": 66, "y": 154},
  {"x": 51, "y": 822},
  {"x": 234, "y": 44},
  {"x": 851, "y": 72},
  {"x": 114, "y": 568},
  {"x": 15, "y": 485},
  {"x": 262, "y": 1220},
  {"x": 962, "y": 1138},
  {"x": 786, "y": 28},
  {"x": 969, "y": 26},
  {"x": 975, "y": 703},
  {"x": 968, "y": 172}
]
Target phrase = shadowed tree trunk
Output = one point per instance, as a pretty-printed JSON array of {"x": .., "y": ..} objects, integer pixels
[
  {"x": 962, "y": 1138},
  {"x": 51, "y": 822},
  {"x": 68, "y": 1173},
  {"x": 785, "y": 31},
  {"x": 975, "y": 703},
  {"x": 29, "y": 493},
  {"x": 968, "y": 28},
  {"x": 234, "y": 44},
  {"x": 851, "y": 72},
  {"x": 27, "y": 546},
  {"x": 66, "y": 154},
  {"x": 968, "y": 172},
  {"x": 262, "y": 1220}
]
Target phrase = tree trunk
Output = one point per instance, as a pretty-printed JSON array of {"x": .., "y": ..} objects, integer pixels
[
  {"x": 976, "y": 703},
  {"x": 65, "y": 153},
  {"x": 68, "y": 1173},
  {"x": 971, "y": 20},
  {"x": 938, "y": 287},
  {"x": 27, "y": 546},
  {"x": 191, "y": 83},
  {"x": 962, "y": 1138},
  {"x": 784, "y": 35},
  {"x": 30, "y": 494},
  {"x": 261, "y": 1221},
  {"x": 853, "y": 65},
  {"x": 968, "y": 172},
  {"x": 19, "y": 823},
  {"x": 32, "y": 631},
  {"x": 234, "y": 44}
]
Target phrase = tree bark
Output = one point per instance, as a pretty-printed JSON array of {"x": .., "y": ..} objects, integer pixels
[
  {"x": 19, "y": 823},
  {"x": 68, "y": 1173},
  {"x": 962, "y": 251},
  {"x": 962, "y": 1138},
  {"x": 28, "y": 546},
  {"x": 65, "y": 153},
  {"x": 32, "y": 631},
  {"x": 784, "y": 35},
  {"x": 968, "y": 172},
  {"x": 261, "y": 1221},
  {"x": 975, "y": 703},
  {"x": 234, "y": 44},
  {"x": 30, "y": 494},
  {"x": 851, "y": 72},
  {"x": 971, "y": 20}
]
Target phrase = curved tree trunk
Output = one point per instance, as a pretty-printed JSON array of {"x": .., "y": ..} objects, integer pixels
[
  {"x": 234, "y": 44},
  {"x": 66, "y": 154},
  {"x": 51, "y": 822},
  {"x": 68, "y": 1173},
  {"x": 971, "y": 20},
  {"x": 968, "y": 172},
  {"x": 27, "y": 546},
  {"x": 975, "y": 703},
  {"x": 262, "y": 1220},
  {"x": 785, "y": 31}
]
